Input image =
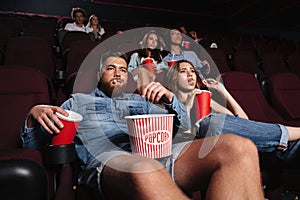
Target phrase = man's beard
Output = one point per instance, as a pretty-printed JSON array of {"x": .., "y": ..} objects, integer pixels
[{"x": 111, "y": 90}]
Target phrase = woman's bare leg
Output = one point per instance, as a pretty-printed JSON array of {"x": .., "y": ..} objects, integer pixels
[{"x": 294, "y": 133}]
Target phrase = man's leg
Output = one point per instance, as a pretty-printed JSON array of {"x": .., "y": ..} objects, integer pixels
[
  {"x": 135, "y": 177},
  {"x": 225, "y": 166}
]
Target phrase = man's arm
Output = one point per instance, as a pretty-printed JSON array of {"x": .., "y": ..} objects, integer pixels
[
  {"x": 45, "y": 116},
  {"x": 156, "y": 93},
  {"x": 41, "y": 121}
]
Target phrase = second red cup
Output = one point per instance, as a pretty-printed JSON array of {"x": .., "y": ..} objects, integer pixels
[
  {"x": 148, "y": 63},
  {"x": 67, "y": 133},
  {"x": 186, "y": 44},
  {"x": 202, "y": 104},
  {"x": 171, "y": 62}
]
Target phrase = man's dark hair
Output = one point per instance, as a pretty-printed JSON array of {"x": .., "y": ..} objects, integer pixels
[{"x": 77, "y": 10}]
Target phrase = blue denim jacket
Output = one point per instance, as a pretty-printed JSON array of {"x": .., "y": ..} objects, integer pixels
[
  {"x": 104, "y": 127},
  {"x": 185, "y": 55}
]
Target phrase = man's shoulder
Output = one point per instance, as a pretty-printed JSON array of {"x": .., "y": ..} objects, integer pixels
[
  {"x": 82, "y": 96},
  {"x": 189, "y": 52},
  {"x": 70, "y": 24}
]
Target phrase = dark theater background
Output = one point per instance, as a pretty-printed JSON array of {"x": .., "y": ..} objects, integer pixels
[
  {"x": 258, "y": 55},
  {"x": 279, "y": 18}
]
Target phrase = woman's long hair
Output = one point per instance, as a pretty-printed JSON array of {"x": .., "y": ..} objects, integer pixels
[
  {"x": 146, "y": 52},
  {"x": 89, "y": 24},
  {"x": 171, "y": 78}
]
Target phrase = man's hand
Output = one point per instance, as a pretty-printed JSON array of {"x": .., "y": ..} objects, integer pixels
[
  {"x": 206, "y": 64},
  {"x": 45, "y": 116},
  {"x": 154, "y": 92}
]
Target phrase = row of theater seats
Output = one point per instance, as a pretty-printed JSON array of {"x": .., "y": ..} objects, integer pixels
[
  {"x": 41, "y": 85},
  {"x": 283, "y": 90},
  {"x": 25, "y": 173},
  {"x": 17, "y": 98},
  {"x": 232, "y": 42},
  {"x": 267, "y": 63},
  {"x": 284, "y": 94}
]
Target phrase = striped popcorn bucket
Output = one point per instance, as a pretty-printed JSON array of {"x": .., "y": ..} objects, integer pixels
[{"x": 151, "y": 135}]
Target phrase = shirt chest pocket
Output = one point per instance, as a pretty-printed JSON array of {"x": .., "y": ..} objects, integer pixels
[
  {"x": 98, "y": 113},
  {"x": 137, "y": 109}
]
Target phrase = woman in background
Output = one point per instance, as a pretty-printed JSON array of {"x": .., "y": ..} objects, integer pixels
[
  {"x": 95, "y": 27},
  {"x": 151, "y": 49}
]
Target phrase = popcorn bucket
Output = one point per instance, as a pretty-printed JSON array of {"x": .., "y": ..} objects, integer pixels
[{"x": 151, "y": 135}]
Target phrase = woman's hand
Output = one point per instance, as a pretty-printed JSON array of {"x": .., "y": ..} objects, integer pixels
[
  {"x": 206, "y": 66},
  {"x": 189, "y": 103},
  {"x": 214, "y": 84}
]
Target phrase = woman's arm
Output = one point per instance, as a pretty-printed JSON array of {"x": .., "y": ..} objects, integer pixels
[{"x": 234, "y": 107}]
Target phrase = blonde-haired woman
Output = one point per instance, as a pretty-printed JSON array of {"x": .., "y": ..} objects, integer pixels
[
  {"x": 95, "y": 27},
  {"x": 150, "y": 49}
]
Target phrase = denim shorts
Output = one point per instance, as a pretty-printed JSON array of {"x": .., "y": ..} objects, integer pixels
[
  {"x": 91, "y": 176},
  {"x": 267, "y": 137}
]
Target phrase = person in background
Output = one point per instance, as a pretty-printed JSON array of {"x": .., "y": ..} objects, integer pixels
[
  {"x": 183, "y": 79},
  {"x": 174, "y": 39},
  {"x": 150, "y": 48},
  {"x": 193, "y": 35},
  {"x": 230, "y": 166},
  {"x": 79, "y": 17},
  {"x": 95, "y": 27},
  {"x": 199, "y": 40}
]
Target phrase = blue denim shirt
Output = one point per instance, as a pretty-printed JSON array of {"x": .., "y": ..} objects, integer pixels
[
  {"x": 104, "y": 127},
  {"x": 185, "y": 55}
]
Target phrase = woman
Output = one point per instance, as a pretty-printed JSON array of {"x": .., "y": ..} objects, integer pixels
[
  {"x": 183, "y": 79},
  {"x": 94, "y": 26},
  {"x": 150, "y": 48}
]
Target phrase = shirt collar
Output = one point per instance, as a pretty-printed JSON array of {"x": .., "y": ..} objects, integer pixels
[{"x": 100, "y": 93}]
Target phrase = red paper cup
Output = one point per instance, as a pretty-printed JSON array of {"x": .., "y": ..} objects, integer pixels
[
  {"x": 148, "y": 63},
  {"x": 171, "y": 62},
  {"x": 67, "y": 133},
  {"x": 186, "y": 44},
  {"x": 202, "y": 104},
  {"x": 151, "y": 135}
]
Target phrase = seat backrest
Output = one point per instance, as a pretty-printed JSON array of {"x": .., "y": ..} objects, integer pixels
[
  {"x": 284, "y": 90},
  {"x": 43, "y": 27},
  {"x": 272, "y": 62},
  {"x": 246, "y": 43},
  {"x": 20, "y": 89},
  {"x": 218, "y": 61},
  {"x": 246, "y": 61},
  {"x": 71, "y": 36},
  {"x": 31, "y": 52},
  {"x": 229, "y": 43},
  {"x": 77, "y": 53},
  {"x": 294, "y": 63},
  {"x": 245, "y": 89}
]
